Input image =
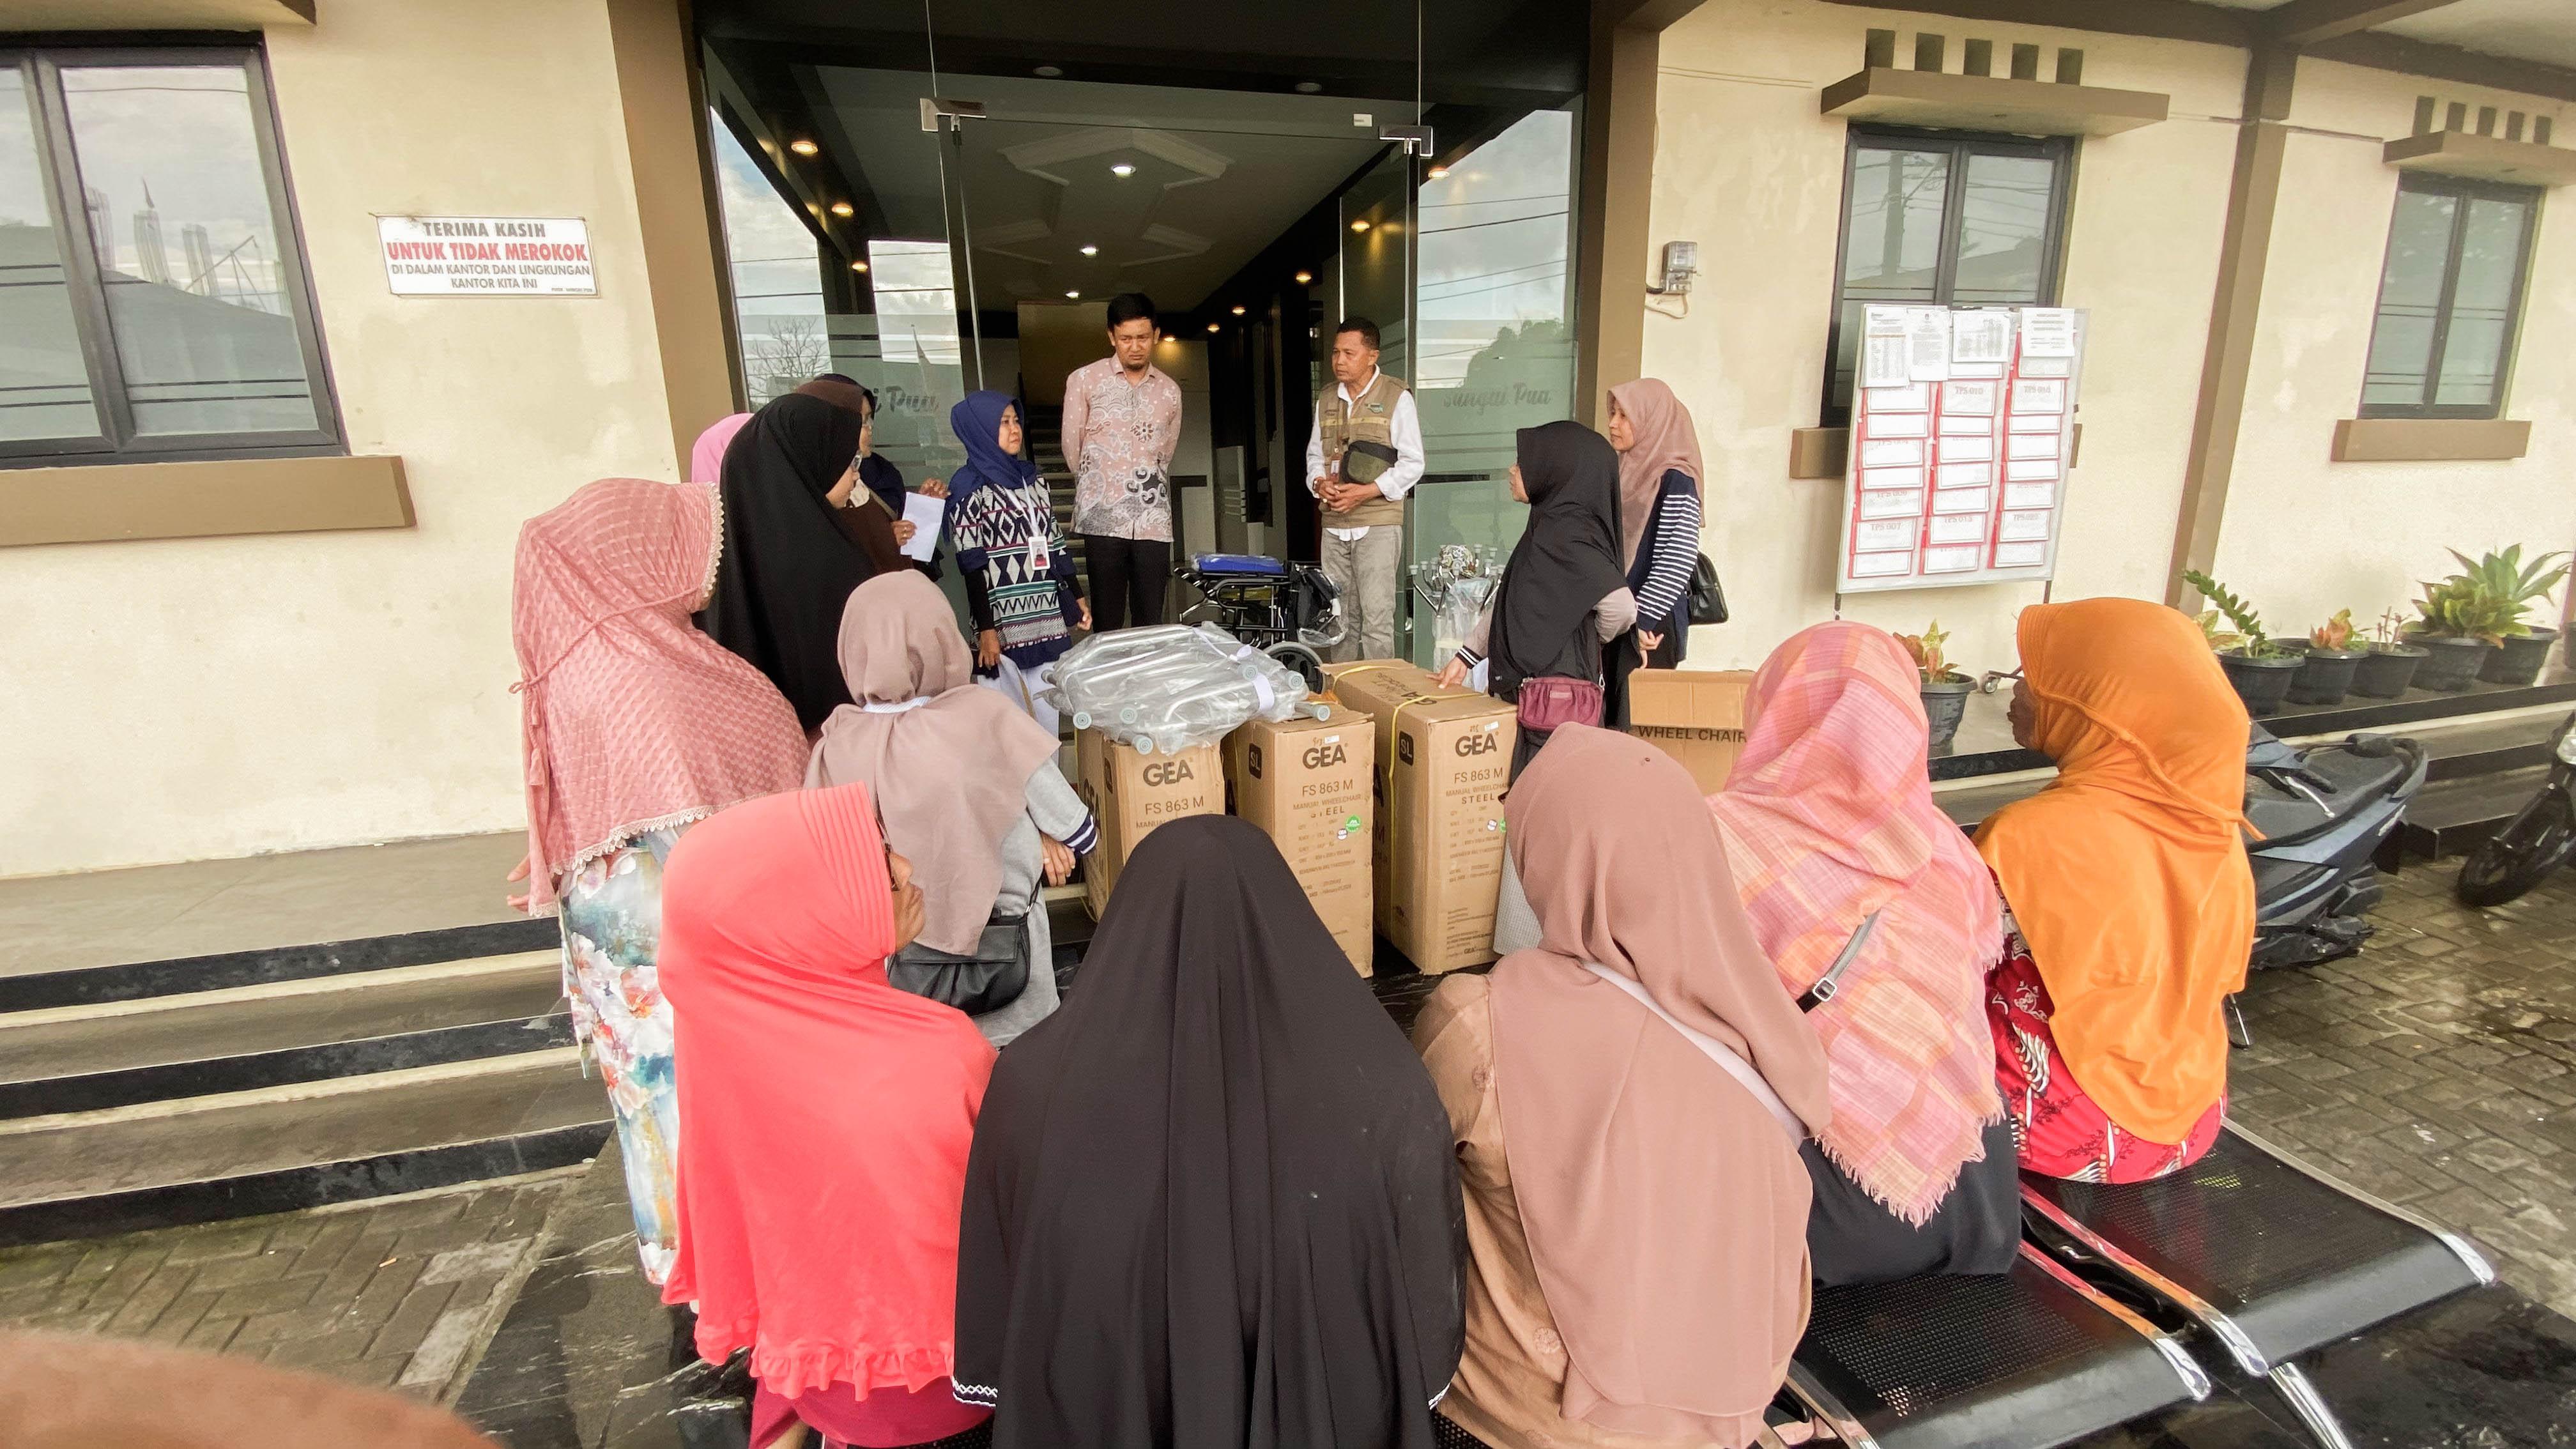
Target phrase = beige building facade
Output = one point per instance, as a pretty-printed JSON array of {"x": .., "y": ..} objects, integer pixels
[{"x": 219, "y": 656}]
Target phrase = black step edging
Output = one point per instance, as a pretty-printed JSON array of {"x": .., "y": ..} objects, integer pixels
[
  {"x": 286, "y": 1066},
  {"x": 290, "y": 1189},
  {"x": 134, "y": 981}
]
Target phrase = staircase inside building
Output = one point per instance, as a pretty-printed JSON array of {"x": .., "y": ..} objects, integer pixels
[{"x": 1046, "y": 445}]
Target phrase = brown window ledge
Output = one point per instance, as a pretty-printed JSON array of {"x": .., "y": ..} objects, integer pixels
[
  {"x": 2426, "y": 440},
  {"x": 109, "y": 501}
]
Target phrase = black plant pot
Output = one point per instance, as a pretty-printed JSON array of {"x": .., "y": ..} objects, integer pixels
[
  {"x": 1945, "y": 702},
  {"x": 2451, "y": 662},
  {"x": 2326, "y": 676},
  {"x": 2387, "y": 671},
  {"x": 2261, "y": 682},
  {"x": 2518, "y": 661}
]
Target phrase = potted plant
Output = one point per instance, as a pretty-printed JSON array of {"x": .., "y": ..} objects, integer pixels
[
  {"x": 2520, "y": 648},
  {"x": 2391, "y": 664},
  {"x": 2260, "y": 666},
  {"x": 2466, "y": 616},
  {"x": 1945, "y": 690},
  {"x": 2335, "y": 652}
]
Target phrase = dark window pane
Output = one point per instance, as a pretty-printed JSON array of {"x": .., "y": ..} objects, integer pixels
[
  {"x": 179, "y": 215},
  {"x": 2410, "y": 296},
  {"x": 1892, "y": 225},
  {"x": 2003, "y": 229},
  {"x": 44, "y": 384},
  {"x": 2482, "y": 304}
]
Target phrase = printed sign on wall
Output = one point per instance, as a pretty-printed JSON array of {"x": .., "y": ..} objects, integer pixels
[
  {"x": 487, "y": 256},
  {"x": 1962, "y": 425}
]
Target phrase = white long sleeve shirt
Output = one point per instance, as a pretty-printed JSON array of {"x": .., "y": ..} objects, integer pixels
[{"x": 1404, "y": 430}]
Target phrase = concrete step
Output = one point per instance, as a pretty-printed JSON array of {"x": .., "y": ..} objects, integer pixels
[
  {"x": 85, "y": 1174},
  {"x": 91, "y": 1057},
  {"x": 2451, "y": 817}
]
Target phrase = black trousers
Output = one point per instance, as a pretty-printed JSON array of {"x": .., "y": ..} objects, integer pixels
[{"x": 1128, "y": 576}]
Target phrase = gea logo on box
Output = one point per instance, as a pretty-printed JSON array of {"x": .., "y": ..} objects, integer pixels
[
  {"x": 1168, "y": 773},
  {"x": 1317, "y": 756},
  {"x": 1482, "y": 743}
]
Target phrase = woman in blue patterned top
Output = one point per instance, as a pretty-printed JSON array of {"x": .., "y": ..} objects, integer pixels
[{"x": 1020, "y": 585}]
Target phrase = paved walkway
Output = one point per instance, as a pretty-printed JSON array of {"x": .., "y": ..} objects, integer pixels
[
  {"x": 2437, "y": 1070},
  {"x": 396, "y": 1292}
]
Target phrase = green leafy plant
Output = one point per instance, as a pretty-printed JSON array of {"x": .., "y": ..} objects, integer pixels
[
  {"x": 2337, "y": 633},
  {"x": 2488, "y": 598},
  {"x": 2248, "y": 638},
  {"x": 1926, "y": 649}
]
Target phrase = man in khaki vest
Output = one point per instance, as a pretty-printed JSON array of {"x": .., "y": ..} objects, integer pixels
[{"x": 1363, "y": 542}]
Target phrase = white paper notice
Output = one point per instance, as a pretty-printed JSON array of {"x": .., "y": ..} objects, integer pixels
[
  {"x": 1951, "y": 560},
  {"x": 1891, "y": 452},
  {"x": 1981, "y": 337},
  {"x": 2020, "y": 555},
  {"x": 1882, "y": 362},
  {"x": 2048, "y": 367},
  {"x": 1974, "y": 473},
  {"x": 1960, "y": 369},
  {"x": 1899, "y": 425},
  {"x": 486, "y": 256},
  {"x": 923, "y": 513},
  {"x": 2035, "y": 445},
  {"x": 1962, "y": 500},
  {"x": 2029, "y": 495},
  {"x": 1966, "y": 424},
  {"x": 1881, "y": 565},
  {"x": 1968, "y": 396},
  {"x": 1891, "y": 477},
  {"x": 2035, "y": 422},
  {"x": 2039, "y": 395},
  {"x": 2023, "y": 523},
  {"x": 1912, "y": 397},
  {"x": 2047, "y": 332},
  {"x": 1927, "y": 344},
  {"x": 1892, "y": 503},
  {"x": 2030, "y": 470},
  {"x": 1973, "y": 448},
  {"x": 1884, "y": 533},
  {"x": 1958, "y": 527},
  {"x": 1878, "y": 320}
]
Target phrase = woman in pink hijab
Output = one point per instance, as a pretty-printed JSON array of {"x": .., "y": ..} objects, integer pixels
[
  {"x": 706, "y": 459},
  {"x": 634, "y": 725},
  {"x": 1628, "y": 1096},
  {"x": 1660, "y": 478}
]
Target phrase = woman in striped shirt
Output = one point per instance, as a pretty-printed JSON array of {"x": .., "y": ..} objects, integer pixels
[{"x": 1659, "y": 512}]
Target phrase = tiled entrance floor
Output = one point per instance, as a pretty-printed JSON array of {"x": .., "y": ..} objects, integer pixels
[{"x": 202, "y": 908}]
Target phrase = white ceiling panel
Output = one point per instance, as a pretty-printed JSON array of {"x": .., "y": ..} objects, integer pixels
[{"x": 2543, "y": 30}]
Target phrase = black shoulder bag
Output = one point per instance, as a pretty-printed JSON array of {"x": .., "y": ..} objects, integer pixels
[
  {"x": 1707, "y": 597},
  {"x": 992, "y": 977}
]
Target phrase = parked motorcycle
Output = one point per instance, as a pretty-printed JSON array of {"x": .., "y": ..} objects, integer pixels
[
  {"x": 2324, "y": 811},
  {"x": 2536, "y": 841}
]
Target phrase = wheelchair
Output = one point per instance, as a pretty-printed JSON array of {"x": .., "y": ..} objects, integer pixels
[{"x": 1290, "y": 612}]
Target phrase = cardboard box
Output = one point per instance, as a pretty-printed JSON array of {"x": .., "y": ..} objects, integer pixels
[
  {"x": 1443, "y": 759},
  {"x": 1694, "y": 715},
  {"x": 1309, "y": 785},
  {"x": 1130, "y": 794}
]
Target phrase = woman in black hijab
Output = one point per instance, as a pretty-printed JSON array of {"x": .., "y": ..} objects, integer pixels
[
  {"x": 1564, "y": 596},
  {"x": 790, "y": 556},
  {"x": 1212, "y": 1201}
]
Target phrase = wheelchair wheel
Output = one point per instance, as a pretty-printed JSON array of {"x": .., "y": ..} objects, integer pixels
[{"x": 1308, "y": 665}]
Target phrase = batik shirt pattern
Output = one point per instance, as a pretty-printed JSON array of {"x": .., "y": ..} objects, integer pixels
[{"x": 1125, "y": 435}]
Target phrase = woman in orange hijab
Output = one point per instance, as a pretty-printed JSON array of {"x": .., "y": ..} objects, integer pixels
[{"x": 2129, "y": 903}]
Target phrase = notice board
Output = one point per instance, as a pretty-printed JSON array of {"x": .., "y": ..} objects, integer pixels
[{"x": 1962, "y": 425}]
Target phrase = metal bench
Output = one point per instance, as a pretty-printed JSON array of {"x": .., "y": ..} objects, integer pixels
[
  {"x": 2270, "y": 1256},
  {"x": 2035, "y": 1357}
]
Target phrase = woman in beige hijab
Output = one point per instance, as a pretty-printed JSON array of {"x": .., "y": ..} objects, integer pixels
[
  {"x": 967, "y": 785},
  {"x": 1640, "y": 1253}
]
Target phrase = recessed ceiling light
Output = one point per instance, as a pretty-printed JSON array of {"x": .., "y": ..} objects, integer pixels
[
  {"x": 1122, "y": 169},
  {"x": 803, "y": 147},
  {"x": 1211, "y": 327},
  {"x": 1091, "y": 251},
  {"x": 1309, "y": 87},
  {"x": 1238, "y": 311},
  {"x": 1436, "y": 172},
  {"x": 858, "y": 266},
  {"x": 1076, "y": 296},
  {"x": 1304, "y": 277},
  {"x": 1361, "y": 224},
  {"x": 1050, "y": 71},
  {"x": 843, "y": 208}
]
